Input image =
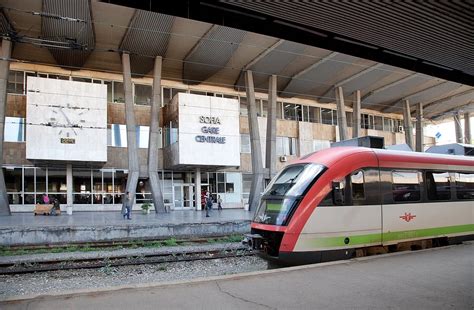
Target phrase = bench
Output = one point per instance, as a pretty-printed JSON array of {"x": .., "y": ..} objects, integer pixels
[{"x": 46, "y": 209}]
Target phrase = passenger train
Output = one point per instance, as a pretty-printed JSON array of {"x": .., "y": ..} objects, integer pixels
[{"x": 344, "y": 202}]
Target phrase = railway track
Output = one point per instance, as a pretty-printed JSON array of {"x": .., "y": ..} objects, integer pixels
[{"x": 10, "y": 268}]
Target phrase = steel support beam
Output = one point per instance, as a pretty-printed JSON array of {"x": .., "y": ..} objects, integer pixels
[
  {"x": 341, "y": 114},
  {"x": 270, "y": 154},
  {"x": 356, "y": 120},
  {"x": 467, "y": 128},
  {"x": 419, "y": 127},
  {"x": 407, "y": 124},
  {"x": 157, "y": 195},
  {"x": 457, "y": 127},
  {"x": 133, "y": 168},
  {"x": 387, "y": 86},
  {"x": 4, "y": 70},
  {"x": 257, "y": 167}
]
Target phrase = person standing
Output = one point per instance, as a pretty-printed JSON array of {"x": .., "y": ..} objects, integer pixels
[
  {"x": 208, "y": 203},
  {"x": 219, "y": 203},
  {"x": 127, "y": 201}
]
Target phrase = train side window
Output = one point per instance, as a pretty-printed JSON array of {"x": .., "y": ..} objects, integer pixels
[
  {"x": 336, "y": 196},
  {"x": 438, "y": 186},
  {"x": 405, "y": 186},
  {"x": 357, "y": 182},
  {"x": 464, "y": 186}
]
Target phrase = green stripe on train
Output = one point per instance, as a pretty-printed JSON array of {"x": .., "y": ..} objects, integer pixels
[{"x": 391, "y": 236}]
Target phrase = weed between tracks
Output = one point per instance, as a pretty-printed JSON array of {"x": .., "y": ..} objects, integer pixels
[{"x": 12, "y": 251}]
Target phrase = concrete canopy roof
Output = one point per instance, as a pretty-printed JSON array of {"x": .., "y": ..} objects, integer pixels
[{"x": 200, "y": 53}]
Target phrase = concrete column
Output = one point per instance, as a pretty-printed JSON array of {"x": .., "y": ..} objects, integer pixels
[
  {"x": 457, "y": 128},
  {"x": 197, "y": 181},
  {"x": 341, "y": 114},
  {"x": 407, "y": 124},
  {"x": 133, "y": 169},
  {"x": 356, "y": 115},
  {"x": 256, "y": 155},
  {"x": 4, "y": 69},
  {"x": 419, "y": 127},
  {"x": 467, "y": 128},
  {"x": 270, "y": 154},
  {"x": 153, "y": 178},
  {"x": 70, "y": 185}
]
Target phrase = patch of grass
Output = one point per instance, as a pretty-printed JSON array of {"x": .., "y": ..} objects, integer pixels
[{"x": 170, "y": 242}]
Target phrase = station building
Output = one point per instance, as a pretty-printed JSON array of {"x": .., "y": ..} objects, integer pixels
[{"x": 67, "y": 125}]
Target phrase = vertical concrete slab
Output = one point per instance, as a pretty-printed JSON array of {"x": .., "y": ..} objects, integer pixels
[
  {"x": 270, "y": 156},
  {"x": 356, "y": 119},
  {"x": 133, "y": 168},
  {"x": 419, "y": 127},
  {"x": 70, "y": 185},
  {"x": 153, "y": 178},
  {"x": 467, "y": 128},
  {"x": 256, "y": 154},
  {"x": 341, "y": 113},
  {"x": 4, "y": 70},
  {"x": 457, "y": 127},
  {"x": 407, "y": 123}
]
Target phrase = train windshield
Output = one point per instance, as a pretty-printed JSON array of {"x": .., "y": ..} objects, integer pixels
[{"x": 284, "y": 193}]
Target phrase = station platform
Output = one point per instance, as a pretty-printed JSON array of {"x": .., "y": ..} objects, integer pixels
[
  {"x": 439, "y": 278},
  {"x": 27, "y": 229}
]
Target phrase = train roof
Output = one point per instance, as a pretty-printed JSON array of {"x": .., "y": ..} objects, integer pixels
[{"x": 387, "y": 158}]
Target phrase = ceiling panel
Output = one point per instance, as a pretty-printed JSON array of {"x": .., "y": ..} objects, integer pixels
[{"x": 211, "y": 53}]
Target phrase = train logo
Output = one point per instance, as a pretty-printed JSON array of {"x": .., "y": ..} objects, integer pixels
[{"x": 407, "y": 217}]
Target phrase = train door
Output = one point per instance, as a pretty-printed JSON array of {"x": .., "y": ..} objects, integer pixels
[{"x": 402, "y": 204}]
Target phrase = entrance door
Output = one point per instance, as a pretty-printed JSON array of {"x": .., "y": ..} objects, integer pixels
[{"x": 183, "y": 196}]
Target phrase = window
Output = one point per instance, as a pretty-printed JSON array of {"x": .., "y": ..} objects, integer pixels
[
  {"x": 143, "y": 135},
  {"x": 321, "y": 145},
  {"x": 245, "y": 144},
  {"x": 14, "y": 129},
  {"x": 166, "y": 96},
  {"x": 143, "y": 94},
  {"x": 13, "y": 182},
  {"x": 82, "y": 186},
  {"x": 119, "y": 93},
  {"x": 109, "y": 91},
  {"x": 118, "y": 135},
  {"x": 365, "y": 121},
  {"x": 378, "y": 123},
  {"x": 388, "y": 124},
  {"x": 292, "y": 112},
  {"x": 243, "y": 106},
  {"x": 336, "y": 197},
  {"x": 438, "y": 186},
  {"x": 314, "y": 115},
  {"x": 464, "y": 185},
  {"x": 15, "y": 82},
  {"x": 264, "y": 108},
  {"x": 326, "y": 116},
  {"x": 405, "y": 186},
  {"x": 286, "y": 146},
  {"x": 357, "y": 182},
  {"x": 279, "y": 109},
  {"x": 81, "y": 79},
  {"x": 349, "y": 119}
]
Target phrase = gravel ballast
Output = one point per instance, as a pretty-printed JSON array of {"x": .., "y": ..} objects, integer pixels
[{"x": 65, "y": 280}]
